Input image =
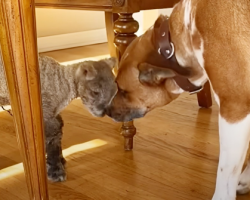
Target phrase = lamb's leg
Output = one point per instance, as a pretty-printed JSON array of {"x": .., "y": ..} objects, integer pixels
[
  {"x": 244, "y": 183},
  {"x": 55, "y": 161}
]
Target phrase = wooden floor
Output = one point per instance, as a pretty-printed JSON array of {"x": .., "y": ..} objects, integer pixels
[{"x": 175, "y": 154}]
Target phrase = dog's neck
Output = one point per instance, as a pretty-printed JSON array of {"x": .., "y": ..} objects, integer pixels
[{"x": 165, "y": 48}]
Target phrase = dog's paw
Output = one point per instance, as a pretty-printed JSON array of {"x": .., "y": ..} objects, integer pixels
[
  {"x": 56, "y": 173},
  {"x": 244, "y": 183}
]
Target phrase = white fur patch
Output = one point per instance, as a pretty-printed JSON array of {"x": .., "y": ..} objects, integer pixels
[
  {"x": 187, "y": 12},
  {"x": 193, "y": 26},
  {"x": 234, "y": 141},
  {"x": 177, "y": 90},
  {"x": 199, "y": 56},
  {"x": 201, "y": 80},
  {"x": 217, "y": 99},
  {"x": 199, "y": 52},
  {"x": 181, "y": 58}
]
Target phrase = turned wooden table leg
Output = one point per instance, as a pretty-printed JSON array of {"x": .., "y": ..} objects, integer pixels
[
  {"x": 128, "y": 132},
  {"x": 19, "y": 52},
  {"x": 204, "y": 97},
  {"x": 125, "y": 28}
]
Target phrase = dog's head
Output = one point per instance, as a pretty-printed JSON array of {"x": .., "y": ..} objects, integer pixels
[
  {"x": 96, "y": 84},
  {"x": 142, "y": 86}
]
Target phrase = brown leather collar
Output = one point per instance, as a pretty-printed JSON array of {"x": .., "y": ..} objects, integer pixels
[{"x": 166, "y": 49}]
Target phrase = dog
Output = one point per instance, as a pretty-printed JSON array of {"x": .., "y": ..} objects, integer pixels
[
  {"x": 92, "y": 81},
  {"x": 201, "y": 41}
]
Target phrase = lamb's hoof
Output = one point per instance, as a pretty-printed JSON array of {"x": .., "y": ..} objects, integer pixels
[
  {"x": 243, "y": 188},
  {"x": 63, "y": 161},
  {"x": 56, "y": 173},
  {"x": 244, "y": 181}
]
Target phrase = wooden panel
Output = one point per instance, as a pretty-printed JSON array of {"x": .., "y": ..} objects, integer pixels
[
  {"x": 157, "y": 4},
  {"x": 106, "y": 5},
  {"x": 19, "y": 50},
  {"x": 131, "y": 6},
  {"x": 103, "y": 5}
]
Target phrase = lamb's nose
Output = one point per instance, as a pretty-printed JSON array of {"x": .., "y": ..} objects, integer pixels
[{"x": 108, "y": 111}]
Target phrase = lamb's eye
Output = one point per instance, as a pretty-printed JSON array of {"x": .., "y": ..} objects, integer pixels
[{"x": 95, "y": 93}]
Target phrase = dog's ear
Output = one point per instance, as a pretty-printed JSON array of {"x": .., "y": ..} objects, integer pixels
[
  {"x": 153, "y": 75},
  {"x": 159, "y": 21},
  {"x": 112, "y": 62},
  {"x": 86, "y": 71},
  {"x": 156, "y": 28}
]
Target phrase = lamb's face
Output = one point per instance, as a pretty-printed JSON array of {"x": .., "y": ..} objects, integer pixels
[{"x": 98, "y": 86}]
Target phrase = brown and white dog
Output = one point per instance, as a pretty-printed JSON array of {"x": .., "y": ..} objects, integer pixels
[{"x": 210, "y": 40}]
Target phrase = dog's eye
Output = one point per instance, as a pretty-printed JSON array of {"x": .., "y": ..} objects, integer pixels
[{"x": 123, "y": 92}]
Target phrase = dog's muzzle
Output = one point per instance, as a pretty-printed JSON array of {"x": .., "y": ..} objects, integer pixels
[{"x": 124, "y": 114}]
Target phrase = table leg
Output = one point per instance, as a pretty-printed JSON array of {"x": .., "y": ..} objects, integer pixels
[
  {"x": 204, "y": 97},
  {"x": 125, "y": 27},
  {"x": 19, "y": 52}
]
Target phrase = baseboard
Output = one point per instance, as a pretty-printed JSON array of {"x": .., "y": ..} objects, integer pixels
[{"x": 70, "y": 40}]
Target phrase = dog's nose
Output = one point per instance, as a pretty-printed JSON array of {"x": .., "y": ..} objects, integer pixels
[{"x": 113, "y": 114}]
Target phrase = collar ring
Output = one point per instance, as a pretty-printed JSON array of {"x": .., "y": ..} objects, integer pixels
[{"x": 172, "y": 51}]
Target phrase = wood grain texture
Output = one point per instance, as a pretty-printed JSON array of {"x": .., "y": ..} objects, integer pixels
[
  {"x": 98, "y": 5},
  {"x": 117, "y": 6},
  {"x": 175, "y": 156},
  {"x": 132, "y": 6},
  {"x": 19, "y": 51}
]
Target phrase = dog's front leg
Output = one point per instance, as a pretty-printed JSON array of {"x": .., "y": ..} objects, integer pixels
[{"x": 234, "y": 141}]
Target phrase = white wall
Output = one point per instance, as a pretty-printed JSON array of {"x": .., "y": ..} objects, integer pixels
[
  {"x": 59, "y": 29},
  {"x": 56, "y": 21},
  {"x": 149, "y": 16}
]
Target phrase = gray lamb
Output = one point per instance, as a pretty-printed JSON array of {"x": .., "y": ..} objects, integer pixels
[{"x": 92, "y": 81}]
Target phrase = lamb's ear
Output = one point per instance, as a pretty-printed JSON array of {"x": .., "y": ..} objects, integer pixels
[
  {"x": 86, "y": 71},
  {"x": 112, "y": 62},
  {"x": 153, "y": 75}
]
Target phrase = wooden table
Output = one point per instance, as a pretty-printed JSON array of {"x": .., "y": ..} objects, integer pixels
[{"x": 18, "y": 40}]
